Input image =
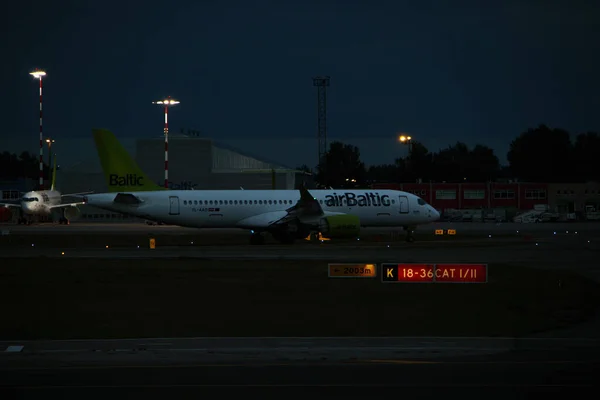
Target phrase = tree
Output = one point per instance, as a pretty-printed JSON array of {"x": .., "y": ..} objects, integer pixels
[
  {"x": 586, "y": 154},
  {"x": 341, "y": 166},
  {"x": 458, "y": 163},
  {"x": 303, "y": 168},
  {"x": 24, "y": 166},
  {"x": 542, "y": 155},
  {"x": 452, "y": 164},
  {"x": 383, "y": 173},
  {"x": 483, "y": 165}
]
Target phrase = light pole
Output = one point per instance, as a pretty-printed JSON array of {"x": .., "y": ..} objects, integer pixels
[
  {"x": 49, "y": 141},
  {"x": 39, "y": 74},
  {"x": 407, "y": 140},
  {"x": 166, "y": 103}
]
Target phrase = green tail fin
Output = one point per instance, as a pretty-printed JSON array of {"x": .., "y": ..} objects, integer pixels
[
  {"x": 120, "y": 170},
  {"x": 53, "y": 174}
]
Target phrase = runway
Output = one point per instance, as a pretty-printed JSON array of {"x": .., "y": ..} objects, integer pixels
[
  {"x": 538, "y": 370},
  {"x": 270, "y": 349},
  {"x": 558, "y": 252},
  {"x": 459, "y": 227},
  {"x": 172, "y": 363}
]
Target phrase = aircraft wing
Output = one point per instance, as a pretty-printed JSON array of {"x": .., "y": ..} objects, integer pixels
[
  {"x": 9, "y": 205},
  {"x": 67, "y": 205},
  {"x": 75, "y": 194},
  {"x": 307, "y": 210}
]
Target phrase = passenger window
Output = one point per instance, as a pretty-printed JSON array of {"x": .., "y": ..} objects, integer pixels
[
  {"x": 210, "y": 202},
  {"x": 195, "y": 202},
  {"x": 185, "y": 203},
  {"x": 230, "y": 201},
  {"x": 235, "y": 202},
  {"x": 393, "y": 201},
  {"x": 255, "y": 202}
]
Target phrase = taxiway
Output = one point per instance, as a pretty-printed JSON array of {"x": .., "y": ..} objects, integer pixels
[
  {"x": 535, "y": 365},
  {"x": 468, "y": 228}
]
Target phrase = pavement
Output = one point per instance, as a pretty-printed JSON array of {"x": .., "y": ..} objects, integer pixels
[
  {"x": 558, "y": 252},
  {"x": 131, "y": 227},
  {"x": 499, "y": 376},
  {"x": 211, "y": 350}
]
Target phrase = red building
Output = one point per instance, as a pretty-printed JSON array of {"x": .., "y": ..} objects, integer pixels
[{"x": 467, "y": 195}]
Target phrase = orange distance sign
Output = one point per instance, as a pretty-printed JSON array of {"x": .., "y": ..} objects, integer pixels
[{"x": 352, "y": 271}]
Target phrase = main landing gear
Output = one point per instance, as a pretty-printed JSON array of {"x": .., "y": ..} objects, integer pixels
[
  {"x": 64, "y": 221},
  {"x": 24, "y": 221},
  {"x": 282, "y": 237},
  {"x": 410, "y": 233}
]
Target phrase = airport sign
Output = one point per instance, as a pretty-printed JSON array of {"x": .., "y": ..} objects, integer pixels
[
  {"x": 352, "y": 270},
  {"x": 434, "y": 273}
]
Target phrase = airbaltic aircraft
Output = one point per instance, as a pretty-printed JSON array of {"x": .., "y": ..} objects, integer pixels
[
  {"x": 44, "y": 203},
  {"x": 285, "y": 214}
]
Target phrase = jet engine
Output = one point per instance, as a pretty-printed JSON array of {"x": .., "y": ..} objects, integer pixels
[
  {"x": 340, "y": 226},
  {"x": 72, "y": 213}
]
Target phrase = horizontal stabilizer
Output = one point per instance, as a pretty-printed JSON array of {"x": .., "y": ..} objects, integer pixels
[
  {"x": 67, "y": 205},
  {"x": 9, "y": 205},
  {"x": 126, "y": 198},
  {"x": 76, "y": 194}
]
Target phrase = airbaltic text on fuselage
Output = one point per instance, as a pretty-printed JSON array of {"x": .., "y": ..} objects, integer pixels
[
  {"x": 126, "y": 180},
  {"x": 350, "y": 199}
]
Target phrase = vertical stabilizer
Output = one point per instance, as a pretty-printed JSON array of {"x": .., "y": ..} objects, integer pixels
[
  {"x": 53, "y": 174},
  {"x": 121, "y": 172}
]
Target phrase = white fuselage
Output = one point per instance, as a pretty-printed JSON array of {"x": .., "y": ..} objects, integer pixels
[
  {"x": 40, "y": 202},
  {"x": 234, "y": 208}
]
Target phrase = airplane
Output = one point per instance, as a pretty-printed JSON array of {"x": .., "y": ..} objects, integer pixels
[
  {"x": 45, "y": 202},
  {"x": 285, "y": 214}
]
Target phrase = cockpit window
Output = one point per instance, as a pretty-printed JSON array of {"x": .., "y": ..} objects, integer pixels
[
  {"x": 29, "y": 199},
  {"x": 421, "y": 202}
]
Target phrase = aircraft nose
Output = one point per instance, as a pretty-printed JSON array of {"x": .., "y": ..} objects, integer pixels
[{"x": 435, "y": 215}]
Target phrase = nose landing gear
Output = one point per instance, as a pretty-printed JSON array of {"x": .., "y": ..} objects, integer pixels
[{"x": 410, "y": 233}]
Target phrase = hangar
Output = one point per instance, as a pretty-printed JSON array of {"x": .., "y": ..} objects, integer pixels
[{"x": 194, "y": 164}]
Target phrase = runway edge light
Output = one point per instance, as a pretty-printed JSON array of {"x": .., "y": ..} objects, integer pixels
[
  {"x": 152, "y": 243},
  {"x": 439, "y": 231}
]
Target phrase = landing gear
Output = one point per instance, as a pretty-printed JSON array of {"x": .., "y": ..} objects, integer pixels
[
  {"x": 64, "y": 221},
  {"x": 287, "y": 239},
  {"x": 410, "y": 233},
  {"x": 23, "y": 221},
  {"x": 257, "y": 238},
  {"x": 283, "y": 237}
]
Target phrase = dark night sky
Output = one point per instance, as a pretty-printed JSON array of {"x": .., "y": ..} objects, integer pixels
[{"x": 440, "y": 70}]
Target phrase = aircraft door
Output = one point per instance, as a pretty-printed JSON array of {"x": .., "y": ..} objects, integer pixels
[
  {"x": 403, "y": 202},
  {"x": 173, "y": 205}
]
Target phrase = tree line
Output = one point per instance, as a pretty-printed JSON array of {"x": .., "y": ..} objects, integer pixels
[
  {"x": 25, "y": 165},
  {"x": 540, "y": 154}
]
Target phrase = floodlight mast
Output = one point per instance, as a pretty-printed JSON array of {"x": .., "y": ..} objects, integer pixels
[
  {"x": 168, "y": 102},
  {"x": 39, "y": 74}
]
